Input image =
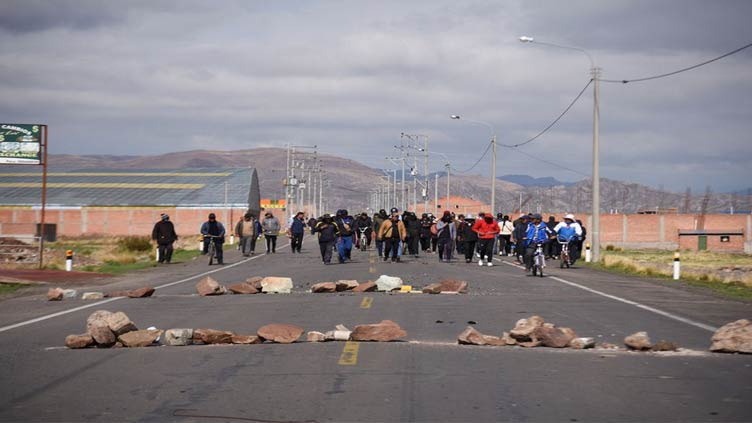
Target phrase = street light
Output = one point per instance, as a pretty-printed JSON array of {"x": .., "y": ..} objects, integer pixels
[
  {"x": 596, "y": 73},
  {"x": 493, "y": 161},
  {"x": 448, "y": 167}
]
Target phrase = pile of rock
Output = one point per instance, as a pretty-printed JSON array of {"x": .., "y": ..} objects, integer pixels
[
  {"x": 640, "y": 341},
  {"x": 342, "y": 286},
  {"x": 734, "y": 337},
  {"x": 254, "y": 285},
  {"x": 105, "y": 329},
  {"x": 528, "y": 333},
  {"x": 384, "y": 331},
  {"x": 58, "y": 294},
  {"x": 447, "y": 286}
]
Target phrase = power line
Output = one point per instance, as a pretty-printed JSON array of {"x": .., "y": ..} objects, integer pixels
[
  {"x": 625, "y": 81},
  {"x": 479, "y": 160},
  {"x": 555, "y": 120},
  {"x": 548, "y": 162}
]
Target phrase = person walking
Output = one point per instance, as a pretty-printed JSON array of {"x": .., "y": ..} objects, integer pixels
[
  {"x": 327, "y": 233},
  {"x": 297, "y": 231},
  {"x": 446, "y": 232},
  {"x": 344, "y": 223},
  {"x": 486, "y": 228},
  {"x": 468, "y": 236},
  {"x": 392, "y": 232},
  {"x": 519, "y": 235},
  {"x": 247, "y": 231},
  {"x": 164, "y": 235},
  {"x": 505, "y": 236},
  {"x": 425, "y": 233},
  {"x": 271, "y": 228},
  {"x": 378, "y": 220},
  {"x": 551, "y": 247},
  {"x": 214, "y": 231},
  {"x": 412, "y": 224}
]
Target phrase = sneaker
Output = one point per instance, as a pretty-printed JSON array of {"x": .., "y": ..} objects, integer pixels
[
  {"x": 490, "y": 264},
  {"x": 477, "y": 254},
  {"x": 398, "y": 259},
  {"x": 386, "y": 258},
  {"x": 467, "y": 260},
  {"x": 480, "y": 262}
]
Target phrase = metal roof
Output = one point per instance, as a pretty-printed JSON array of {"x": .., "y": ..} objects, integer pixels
[{"x": 21, "y": 186}]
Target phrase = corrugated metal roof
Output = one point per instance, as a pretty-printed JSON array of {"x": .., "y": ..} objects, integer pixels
[{"x": 21, "y": 186}]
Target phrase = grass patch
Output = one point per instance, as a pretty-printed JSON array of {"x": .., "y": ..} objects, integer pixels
[
  {"x": 117, "y": 267},
  {"x": 726, "y": 274},
  {"x": 7, "y": 288}
]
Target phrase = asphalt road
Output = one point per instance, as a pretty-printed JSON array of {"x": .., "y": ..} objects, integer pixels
[{"x": 428, "y": 378}]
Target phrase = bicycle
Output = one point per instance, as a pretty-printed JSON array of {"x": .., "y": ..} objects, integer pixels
[
  {"x": 564, "y": 256},
  {"x": 539, "y": 260},
  {"x": 212, "y": 252},
  {"x": 362, "y": 239}
]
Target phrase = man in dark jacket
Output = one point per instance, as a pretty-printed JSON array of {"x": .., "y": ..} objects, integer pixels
[
  {"x": 247, "y": 231},
  {"x": 297, "y": 230},
  {"x": 412, "y": 224},
  {"x": 519, "y": 235},
  {"x": 214, "y": 231},
  {"x": 378, "y": 220},
  {"x": 363, "y": 227},
  {"x": 328, "y": 233},
  {"x": 551, "y": 248},
  {"x": 468, "y": 237},
  {"x": 344, "y": 224},
  {"x": 164, "y": 235},
  {"x": 425, "y": 232}
]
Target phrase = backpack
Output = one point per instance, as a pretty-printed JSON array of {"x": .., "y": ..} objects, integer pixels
[{"x": 434, "y": 230}]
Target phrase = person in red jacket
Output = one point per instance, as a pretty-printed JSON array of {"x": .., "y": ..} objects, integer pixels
[{"x": 486, "y": 228}]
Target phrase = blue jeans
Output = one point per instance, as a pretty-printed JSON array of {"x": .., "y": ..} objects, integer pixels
[{"x": 344, "y": 246}]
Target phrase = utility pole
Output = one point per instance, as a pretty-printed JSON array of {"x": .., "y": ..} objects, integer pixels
[{"x": 436, "y": 195}]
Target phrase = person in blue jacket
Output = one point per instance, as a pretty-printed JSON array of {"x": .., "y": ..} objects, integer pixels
[
  {"x": 570, "y": 231},
  {"x": 537, "y": 232},
  {"x": 345, "y": 224},
  {"x": 297, "y": 230}
]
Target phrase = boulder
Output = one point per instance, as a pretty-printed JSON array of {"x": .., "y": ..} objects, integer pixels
[
  {"x": 280, "y": 333},
  {"x": 144, "y": 292},
  {"x": 119, "y": 323},
  {"x": 664, "y": 346},
  {"x": 582, "y": 343},
  {"x": 255, "y": 281},
  {"x": 117, "y": 294},
  {"x": 346, "y": 285},
  {"x": 212, "y": 336},
  {"x": 734, "y": 337},
  {"x": 384, "y": 331},
  {"x": 388, "y": 283},
  {"x": 639, "y": 341},
  {"x": 434, "y": 288},
  {"x": 102, "y": 334},
  {"x": 246, "y": 339},
  {"x": 54, "y": 294},
  {"x": 92, "y": 296},
  {"x": 524, "y": 328},
  {"x": 140, "y": 338},
  {"x": 314, "y": 336},
  {"x": 178, "y": 337},
  {"x": 243, "y": 288},
  {"x": 209, "y": 286},
  {"x": 453, "y": 286},
  {"x": 70, "y": 293},
  {"x": 369, "y": 286},
  {"x": 471, "y": 336},
  {"x": 79, "y": 341},
  {"x": 508, "y": 340},
  {"x": 553, "y": 337},
  {"x": 324, "y": 287},
  {"x": 276, "y": 285},
  {"x": 99, "y": 317}
]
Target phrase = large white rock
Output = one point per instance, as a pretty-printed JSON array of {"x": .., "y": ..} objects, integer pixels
[
  {"x": 276, "y": 285},
  {"x": 388, "y": 283},
  {"x": 70, "y": 293},
  {"x": 92, "y": 296},
  {"x": 178, "y": 337}
]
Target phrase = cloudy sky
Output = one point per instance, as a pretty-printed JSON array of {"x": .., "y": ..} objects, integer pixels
[{"x": 148, "y": 77}]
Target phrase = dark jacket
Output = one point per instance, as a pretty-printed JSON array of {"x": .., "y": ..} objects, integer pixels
[
  {"x": 425, "y": 227},
  {"x": 363, "y": 223},
  {"x": 345, "y": 225},
  {"x": 465, "y": 231},
  {"x": 377, "y": 221},
  {"x": 164, "y": 232},
  {"x": 412, "y": 224},
  {"x": 328, "y": 231},
  {"x": 520, "y": 231},
  {"x": 297, "y": 227}
]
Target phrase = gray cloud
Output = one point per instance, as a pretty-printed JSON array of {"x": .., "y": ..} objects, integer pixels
[{"x": 151, "y": 77}]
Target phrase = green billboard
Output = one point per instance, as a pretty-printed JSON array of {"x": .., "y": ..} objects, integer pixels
[{"x": 20, "y": 144}]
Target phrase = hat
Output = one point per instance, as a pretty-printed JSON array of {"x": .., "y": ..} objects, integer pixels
[
  {"x": 537, "y": 216},
  {"x": 164, "y": 216},
  {"x": 394, "y": 210},
  {"x": 569, "y": 216}
]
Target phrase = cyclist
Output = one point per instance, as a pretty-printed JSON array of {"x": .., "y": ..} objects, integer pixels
[
  {"x": 570, "y": 231},
  {"x": 344, "y": 223},
  {"x": 537, "y": 232},
  {"x": 363, "y": 225},
  {"x": 213, "y": 230}
]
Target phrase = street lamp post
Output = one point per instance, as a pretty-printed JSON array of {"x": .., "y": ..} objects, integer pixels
[
  {"x": 447, "y": 165},
  {"x": 493, "y": 158},
  {"x": 595, "y": 72}
]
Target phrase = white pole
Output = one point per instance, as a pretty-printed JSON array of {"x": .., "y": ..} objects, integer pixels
[
  {"x": 69, "y": 260},
  {"x": 436, "y": 195},
  {"x": 677, "y": 266},
  {"x": 596, "y": 232},
  {"x": 493, "y": 177},
  {"x": 588, "y": 257}
]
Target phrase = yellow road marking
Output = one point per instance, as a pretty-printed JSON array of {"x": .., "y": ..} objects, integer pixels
[
  {"x": 366, "y": 303},
  {"x": 22, "y": 174},
  {"x": 349, "y": 355},
  {"x": 122, "y": 185}
]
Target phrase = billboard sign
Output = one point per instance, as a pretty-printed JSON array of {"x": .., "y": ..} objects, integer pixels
[{"x": 20, "y": 144}]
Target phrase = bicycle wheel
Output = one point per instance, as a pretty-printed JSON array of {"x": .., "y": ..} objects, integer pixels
[
  {"x": 211, "y": 253},
  {"x": 539, "y": 265}
]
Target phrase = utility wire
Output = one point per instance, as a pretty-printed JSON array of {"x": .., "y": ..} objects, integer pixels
[
  {"x": 476, "y": 163},
  {"x": 555, "y": 120},
  {"x": 625, "y": 81},
  {"x": 546, "y": 161}
]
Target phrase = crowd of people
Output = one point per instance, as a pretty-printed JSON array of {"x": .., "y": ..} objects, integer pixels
[{"x": 397, "y": 235}]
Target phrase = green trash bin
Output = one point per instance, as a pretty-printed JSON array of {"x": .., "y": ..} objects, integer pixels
[{"x": 702, "y": 242}]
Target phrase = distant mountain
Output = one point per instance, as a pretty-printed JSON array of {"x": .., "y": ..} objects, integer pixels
[
  {"x": 351, "y": 183},
  {"x": 529, "y": 181}
]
